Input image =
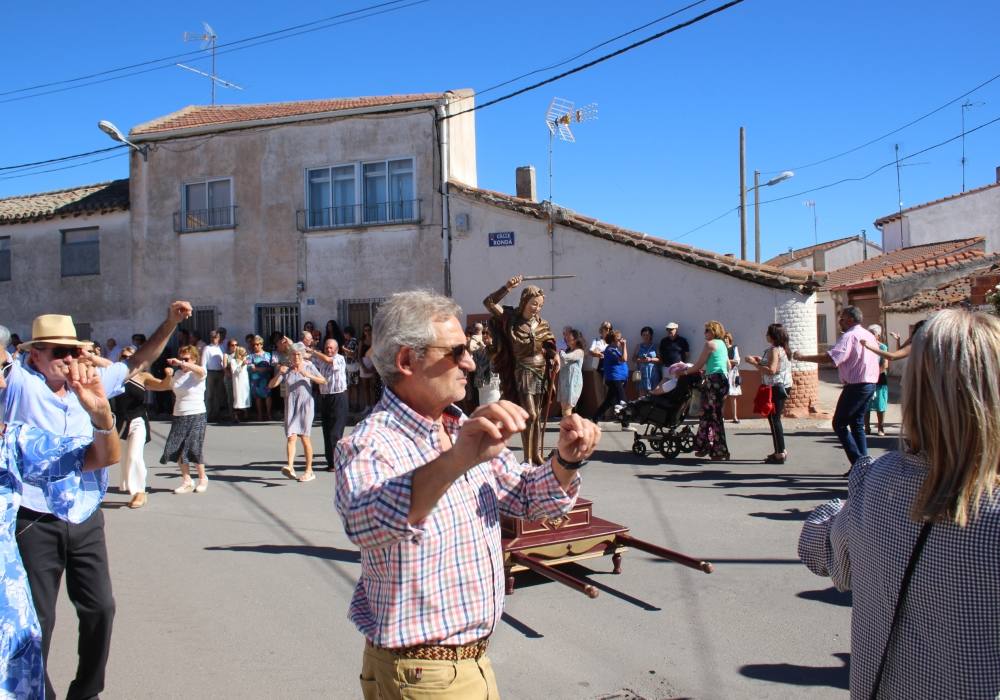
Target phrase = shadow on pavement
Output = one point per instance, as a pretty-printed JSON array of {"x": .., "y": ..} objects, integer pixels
[
  {"x": 527, "y": 631},
  {"x": 789, "y": 514},
  {"x": 828, "y": 595},
  {"x": 350, "y": 556},
  {"x": 790, "y": 674},
  {"x": 528, "y": 579}
]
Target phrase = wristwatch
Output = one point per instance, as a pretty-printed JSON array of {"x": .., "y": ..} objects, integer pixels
[{"x": 554, "y": 454}]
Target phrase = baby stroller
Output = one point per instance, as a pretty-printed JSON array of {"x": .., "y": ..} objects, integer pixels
[{"x": 663, "y": 417}]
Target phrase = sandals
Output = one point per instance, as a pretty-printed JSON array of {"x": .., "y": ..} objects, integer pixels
[
  {"x": 776, "y": 458},
  {"x": 290, "y": 473},
  {"x": 307, "y": 477}
]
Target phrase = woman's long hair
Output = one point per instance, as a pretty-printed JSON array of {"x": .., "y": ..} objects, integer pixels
[
  {"x": 951, "y": 413},
  {"x": 779, "y": 337}
]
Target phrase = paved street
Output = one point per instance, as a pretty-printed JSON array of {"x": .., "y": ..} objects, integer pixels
[{"x": 242, "y": 592}]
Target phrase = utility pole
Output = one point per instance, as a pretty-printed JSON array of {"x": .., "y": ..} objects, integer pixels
[
  {"x": 756, "y": 216},
  {"x": 743, "y": 194}
]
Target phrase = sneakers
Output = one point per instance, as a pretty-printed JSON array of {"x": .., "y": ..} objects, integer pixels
[{"x": 186, "y": 487}]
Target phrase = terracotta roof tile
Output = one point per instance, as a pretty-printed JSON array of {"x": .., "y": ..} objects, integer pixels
[
  {"x": 799, "y": 280},
  {"x": 800, "y": 253},
  {"x": 906, "y": 261},
  {"x": 230, "y": 115},
  {"x": 879, "y": 223},
  {"x": 953, "y": 293},
  {"x": 89, "y": 199}
]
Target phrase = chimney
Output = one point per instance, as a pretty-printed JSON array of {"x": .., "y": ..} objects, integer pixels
[
  {"x": 864, "y": 244},
  {"x": 998, "y": 173},
  {"x": 525, "y": 180},
  {"x": 819, "y": 261}
]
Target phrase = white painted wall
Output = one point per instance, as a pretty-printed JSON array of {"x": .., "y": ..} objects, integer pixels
[
  {"x": 631, "y": 287},
  {"x": 847, "y": 253},
  {"x": 37, "y": 286},
  {"x": 975, "y": 214}
]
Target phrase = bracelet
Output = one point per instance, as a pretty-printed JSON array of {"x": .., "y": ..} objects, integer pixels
[
  {"x": 101, "y": 431},
  {"x": 554, "y": 454}
]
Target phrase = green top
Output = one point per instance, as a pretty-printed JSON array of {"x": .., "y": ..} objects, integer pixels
[{"x": 718, "y": 359}]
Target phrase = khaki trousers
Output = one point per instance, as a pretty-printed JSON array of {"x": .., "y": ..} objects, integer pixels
[{"x": 385, "y": 676}]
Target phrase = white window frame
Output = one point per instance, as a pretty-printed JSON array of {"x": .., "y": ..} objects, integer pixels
[
  {"x": 205, "y": 181},
  {"x": 360, "y": 220}
]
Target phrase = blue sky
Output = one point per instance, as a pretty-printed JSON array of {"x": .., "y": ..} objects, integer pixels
[{"x": 808, "y": 80}]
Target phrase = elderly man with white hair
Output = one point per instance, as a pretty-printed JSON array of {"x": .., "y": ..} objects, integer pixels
[{"x": 420, "y": 489}]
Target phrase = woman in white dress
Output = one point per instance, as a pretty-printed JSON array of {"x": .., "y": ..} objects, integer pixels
[
  {"x": 236, "y": 364},
  {"x": 735, "y": 390}
]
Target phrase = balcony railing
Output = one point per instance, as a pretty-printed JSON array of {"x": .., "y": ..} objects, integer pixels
[
  {"x": 204, "y": 219},
  {"x": 401, "y": 212}
]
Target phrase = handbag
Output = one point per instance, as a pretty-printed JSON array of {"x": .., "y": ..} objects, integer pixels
[
  {"x": 904, "y": 588},
  {"x": 763, "y": 404},
  {"x": 636, "y": 376}
]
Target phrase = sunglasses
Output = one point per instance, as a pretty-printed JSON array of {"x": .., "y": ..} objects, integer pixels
[
  {"x": 61, "y": 352},
  {"x": 456, "y": 352}
]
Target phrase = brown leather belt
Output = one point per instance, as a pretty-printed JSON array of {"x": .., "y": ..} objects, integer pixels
[{"x": 439, "y": 652}]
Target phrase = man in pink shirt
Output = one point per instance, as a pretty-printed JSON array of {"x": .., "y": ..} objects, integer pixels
[{"x": 858, "y": 371}]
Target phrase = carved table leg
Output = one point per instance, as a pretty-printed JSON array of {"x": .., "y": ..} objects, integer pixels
[
  {"x": 510, "y": 582},
  {"x": 616, "y": 561}
]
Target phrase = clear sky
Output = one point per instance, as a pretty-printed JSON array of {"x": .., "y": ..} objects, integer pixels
[{"x": 808, "y": 80}]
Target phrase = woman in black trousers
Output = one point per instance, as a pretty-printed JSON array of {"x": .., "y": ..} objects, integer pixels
[{"x": 776, "y": 371}]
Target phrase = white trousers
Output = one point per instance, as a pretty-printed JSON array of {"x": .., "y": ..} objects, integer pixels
[{"x": 133, "y": 462}]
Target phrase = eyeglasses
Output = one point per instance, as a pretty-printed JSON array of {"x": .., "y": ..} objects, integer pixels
[
  {"x": 61, "y": 352},
  {"x": 184, "y": 359},
  {"x": 457, "y": 352}
]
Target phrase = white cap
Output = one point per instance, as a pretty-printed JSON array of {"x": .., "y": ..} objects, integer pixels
[{"x": 671, "y": 326}]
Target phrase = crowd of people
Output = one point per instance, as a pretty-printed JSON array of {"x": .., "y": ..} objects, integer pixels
[{"x": 923, "y": 518}]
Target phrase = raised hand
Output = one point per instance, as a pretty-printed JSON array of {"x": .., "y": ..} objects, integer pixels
[
  {"x": 578, "y": 438},
  {"x": 179, "y": 311},
  {"x": 174, "y": 362},
  {"x": 514, "y": 281},
  {"x": 85, "y": 382},
  {"x": 485, "y": 434}
]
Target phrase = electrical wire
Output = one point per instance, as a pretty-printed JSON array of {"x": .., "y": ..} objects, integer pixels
[
  {"x": 61, "y": 159},
  {"x": 846, "y": 179},
  {"x": 65, "y": 167},
  {"x": 196, "y": 52},
  {"x": 890, "y": 133},
  {"x": 228, "y": 50},
  {"x": 601, "y": 59},
  {"x": 591, "y": 49}
]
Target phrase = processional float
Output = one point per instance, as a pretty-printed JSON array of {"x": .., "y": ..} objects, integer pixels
[{"x": 542, "y": 545}]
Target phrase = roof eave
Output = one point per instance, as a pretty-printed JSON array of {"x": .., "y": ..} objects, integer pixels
[{"x": 182, "y": 132}]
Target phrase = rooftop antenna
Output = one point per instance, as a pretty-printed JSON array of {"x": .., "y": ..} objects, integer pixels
[
  {"x": 207, "y": 38},
  {"x": 560, "y": 114},
  {"x": 811, "y": 203},
  {"x": 966, "y": 106}
]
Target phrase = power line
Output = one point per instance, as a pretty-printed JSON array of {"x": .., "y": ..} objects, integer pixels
[
  {"x": 237, "y": 45},
  {"x": 846, "y": 179},
  {"x": 65, "y": 167},
  {"x": 63, "y": 158},
  {"x": 602, "y": 59},
  {"x": 591, "y": 49},
  {"x": 894, "y": 131}
]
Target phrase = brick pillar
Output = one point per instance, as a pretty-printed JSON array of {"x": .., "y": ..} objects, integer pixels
[{"x": 799, "y": 318}]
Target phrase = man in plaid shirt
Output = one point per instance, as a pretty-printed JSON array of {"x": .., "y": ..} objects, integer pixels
[{"x": 420, "y": 488}]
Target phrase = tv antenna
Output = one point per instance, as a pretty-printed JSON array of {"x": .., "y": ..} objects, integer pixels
[
  {"x": 208, "y": 39},
  {"x": 560, "y": 114},
  {"x": 968, "y": 104},
  {"x": 811, "y": 203}
]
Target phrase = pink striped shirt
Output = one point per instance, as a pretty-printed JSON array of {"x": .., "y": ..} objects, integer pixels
[
  {"x": 441, "y": 582},
  {"x": 855, "y": 365}
]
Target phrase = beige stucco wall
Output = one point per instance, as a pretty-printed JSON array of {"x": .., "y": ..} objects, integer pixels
[
  {"x": 462, "y": 138},
  {"x": 264, "y": 256},
  {"x": 975, "y": 214},
  {"x": 630, "y": 287},
  {"x": 38, "y": 287}
]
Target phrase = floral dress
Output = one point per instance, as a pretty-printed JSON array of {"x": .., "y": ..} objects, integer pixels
[
  {"x": 264, "y": 363},
  {"x": 55, "y": 465}
]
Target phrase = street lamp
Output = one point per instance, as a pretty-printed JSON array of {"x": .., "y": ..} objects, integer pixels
[{"x": 113, "y": 131}]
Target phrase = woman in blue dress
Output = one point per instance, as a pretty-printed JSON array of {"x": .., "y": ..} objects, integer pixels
[
  {"x": 64, "y": 469},
  {"x": 647, "y": 363},
  {"x": 570, "y": 371},
  {"x": 260, "y": 365}
]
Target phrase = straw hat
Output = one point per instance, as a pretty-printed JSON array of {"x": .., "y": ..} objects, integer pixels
[{"x": 55, "y": 329}]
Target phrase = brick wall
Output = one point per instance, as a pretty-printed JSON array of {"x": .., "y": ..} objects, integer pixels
[
  {"x": 799, "y": 319},
  {"x": 981, "y": 285}
]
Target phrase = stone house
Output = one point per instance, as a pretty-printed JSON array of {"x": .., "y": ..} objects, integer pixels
[
  {"x": 874, "y": 284},
  {"x": 68, "y": 251}
]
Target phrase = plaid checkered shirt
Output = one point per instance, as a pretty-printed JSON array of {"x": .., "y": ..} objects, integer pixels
[
  {"x": 441, "y": 581},
  {"x": 947, "y": 641}
]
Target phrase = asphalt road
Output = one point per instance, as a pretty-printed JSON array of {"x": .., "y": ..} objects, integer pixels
[{"x": 242, "y": 592}]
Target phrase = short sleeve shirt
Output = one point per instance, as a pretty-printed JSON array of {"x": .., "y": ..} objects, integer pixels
[{"x": 672, "y": 350}]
